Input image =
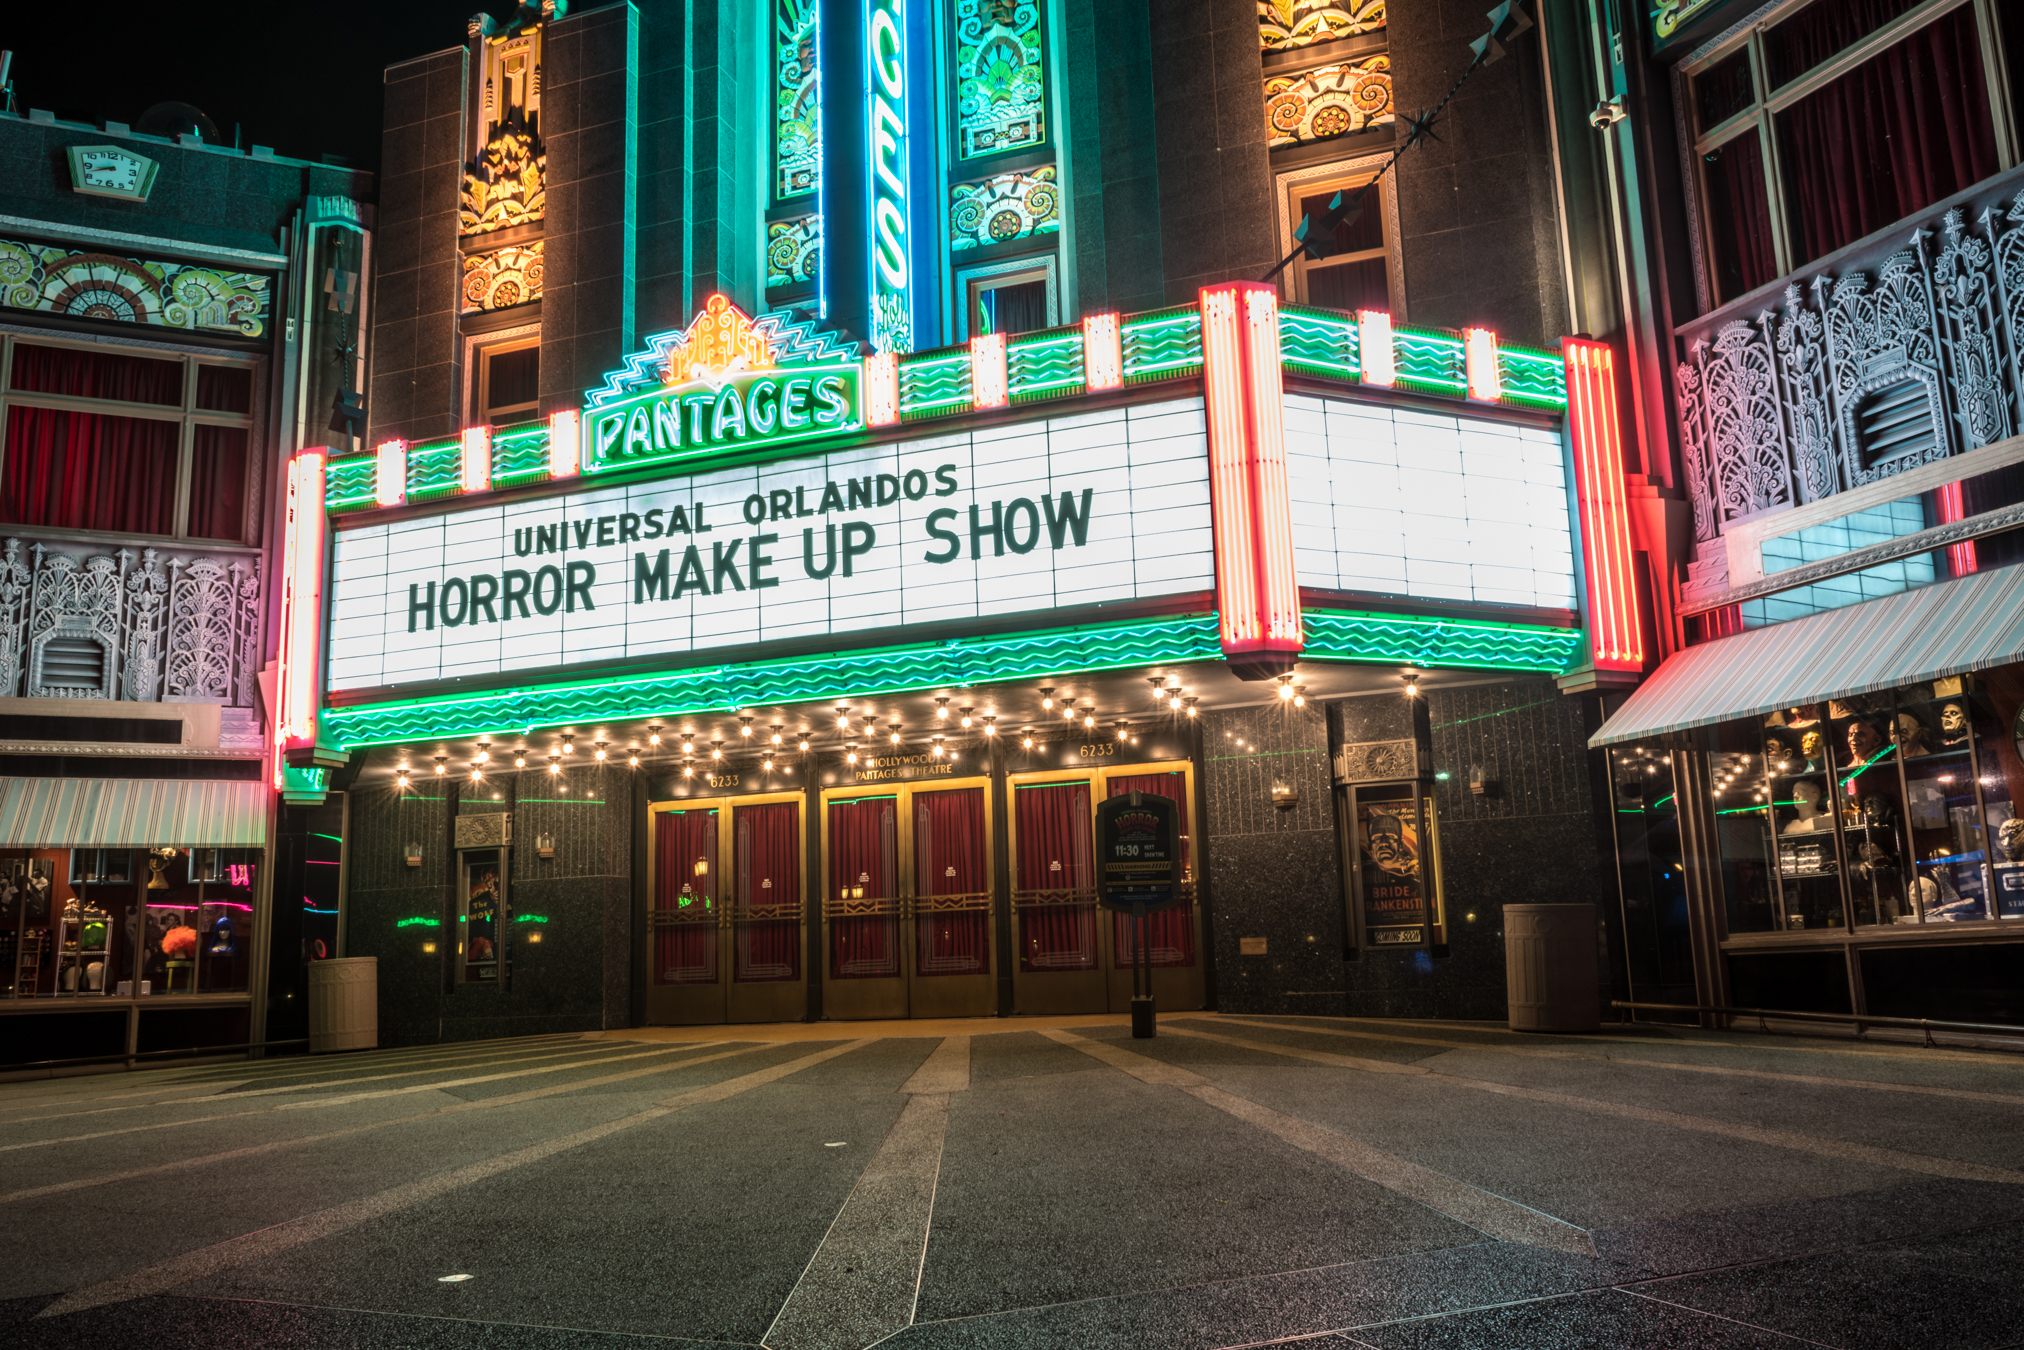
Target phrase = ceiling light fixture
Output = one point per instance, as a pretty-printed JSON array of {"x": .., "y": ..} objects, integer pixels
[{"x": 1047, "y": 696}]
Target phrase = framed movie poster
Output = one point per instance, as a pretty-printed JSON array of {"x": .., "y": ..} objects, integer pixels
[
  {"x": 481, "y": 914},
  {"x": 1395, "y": 842}
]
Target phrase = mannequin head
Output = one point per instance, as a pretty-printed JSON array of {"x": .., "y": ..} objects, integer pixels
[
  {"x": 1862, "y": 741},
  {"x": 1806, "y": 798},
  {"x": 1954, "y": 720},
  {"x": 1911, "y": 735},
  {"x": 2010, "y": 839},
  {"x": 1878, "y": 811}
]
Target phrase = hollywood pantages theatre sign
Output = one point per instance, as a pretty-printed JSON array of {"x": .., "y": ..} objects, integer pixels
[{"x": 730, "y": 495}]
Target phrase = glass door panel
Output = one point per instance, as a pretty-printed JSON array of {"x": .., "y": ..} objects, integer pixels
[
  {"x": 767, "y": 983},
  {"x": 952, "y": 870},
  {"x": 864, "y": 889},
  {"x": 686, "y": 921},
  {"x": 1054, "y": 900}
]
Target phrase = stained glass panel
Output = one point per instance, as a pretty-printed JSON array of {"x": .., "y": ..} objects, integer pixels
[
  {"x": 797, "y": 128},
  {"x": 1286, "y": 24},
  {"x": 1000, "y": 86},
  {"x": 1332, "y": 101},
  {"x": 1004, "y": 206}
]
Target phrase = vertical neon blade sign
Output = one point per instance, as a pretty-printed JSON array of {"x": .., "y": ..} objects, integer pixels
[
  {"x": 885, "y": 91},
  {"x": 1257, "y": 591},
  {"x": 1594, "y": 429},
  {"x": 304, "y": 533}
]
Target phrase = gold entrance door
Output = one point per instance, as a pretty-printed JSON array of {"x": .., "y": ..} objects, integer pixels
[
  {"x": 725, "y": 929},
  {"x": 1062, "y": 946},
  {"x": 1173, "y": 934},
  {"x": 906, "y": 906}
]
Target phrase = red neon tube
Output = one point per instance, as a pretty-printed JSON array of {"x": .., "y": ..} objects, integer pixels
[
  {"x": 305, "y": 535},
  {"x": 1594, "y": 427},
  {"x": 1954, "y": 506}
]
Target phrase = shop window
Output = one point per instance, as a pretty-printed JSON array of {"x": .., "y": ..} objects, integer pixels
[
  {"x": 1810, "y": 138},
  {"x": 481, "y": 911},
  {"x": 509, "y": 382},
  {"x": 1357, "y": 269},
  {"x": 100, "y": 438},
  {"x": 1396, "y": 846},
  {"x": 115, "y": 922}
]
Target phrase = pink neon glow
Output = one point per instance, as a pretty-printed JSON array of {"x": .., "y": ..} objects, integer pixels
[
  {"x": 239, "y": 874},
  {"x": 987, "y": 371},
  {"x": 1374, "y": 348},
  {"x": 1102, "y": 352},
  {"x": 881, "y": 389},
  {"x": 304, "y": 531},
  {"x": 390, "y": 476},
  {"x": 208, "y": 904},
  {"x": 1954, "y": 506},
  {"x": 477, "y": 459},
  {"x": 565, "y": 450},
  {"x": 1257, "y": 592},
  {"x": 1486, "y": 382}
]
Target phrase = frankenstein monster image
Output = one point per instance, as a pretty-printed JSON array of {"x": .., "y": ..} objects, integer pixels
[{"x": 1390, "y": 843}]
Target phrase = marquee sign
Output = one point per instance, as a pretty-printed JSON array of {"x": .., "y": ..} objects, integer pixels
[{"x": 1099, "y": 508}]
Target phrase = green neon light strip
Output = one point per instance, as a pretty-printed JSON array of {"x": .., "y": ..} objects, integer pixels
[
  {"x": 349, "y": 483},
  {"x": 418, "y": 923},
  {"x": 530, "y": 918},
  {"x": 1337, "y": 635},
  {"x": 435, "y": 470},
  {"x": 841, "y": 675},
  {"x": 520, "y": 456}
]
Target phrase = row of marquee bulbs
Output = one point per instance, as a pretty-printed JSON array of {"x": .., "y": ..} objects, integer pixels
[{"x": 1166, "y": 691}]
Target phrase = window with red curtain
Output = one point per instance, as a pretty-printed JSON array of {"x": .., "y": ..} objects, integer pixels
[
  {"x": 766, "y": 927},
  {"x": 218, "y": 483},
  {"x": 1739, "y": 215},
  {"x": 685, "y": 897},
  {"x": 1892, "y": 136},
  {"x": 106, "y": 373},
  {"x": 89, "y": 471},
  {"x": 864, "y": 877},
  {"x": 1170, "y": 932},
  {"x": 950, "y": 861},
  {"x": 224, "y": 389},
  {"x": 1057, "y": 909}
]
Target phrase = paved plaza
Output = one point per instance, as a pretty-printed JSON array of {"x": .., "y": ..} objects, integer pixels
[{"x": 1029, "y": 1183}]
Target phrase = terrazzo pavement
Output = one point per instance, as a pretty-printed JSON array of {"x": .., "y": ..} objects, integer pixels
[{"x": 989, "y": 1183}]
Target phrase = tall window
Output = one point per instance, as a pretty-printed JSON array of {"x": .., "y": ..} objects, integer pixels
[
  {"x": 128, "y": 440},
  {"x": 1837, "y": 121},
  {"x": 509, "y": 382}
]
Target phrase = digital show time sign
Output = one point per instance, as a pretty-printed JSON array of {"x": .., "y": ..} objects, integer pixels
[{"x": 1100, "y": 507}]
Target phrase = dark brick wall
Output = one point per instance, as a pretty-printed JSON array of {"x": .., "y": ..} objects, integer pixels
[
  {"x": 590, "y": 122},
  {"x": 416, "y": 367},
  {"x": 576, "y": 978},
  {"x": 1215, "y": 179},
  {"x": 661, "y": 202},
  {"x": 1272, "y": 872},
  {"x": 1113, "y": 156},
  {"x": 1477, "y": 211}
]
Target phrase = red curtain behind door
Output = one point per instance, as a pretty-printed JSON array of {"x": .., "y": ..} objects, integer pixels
[
  {"x": 685, "y": 951},
  {"x": 767, "y": 923},
  {"x": 864, "y": 867},
  {"x": 89, "y": 471},
  {"x": 1170, "y": 932},
  {"x": 949, "y": 859},
  {"x": 1054, "y": 855}
]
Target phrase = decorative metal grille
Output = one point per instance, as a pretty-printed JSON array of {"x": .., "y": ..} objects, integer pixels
[
  {"x": 145, "y": 628},
  {"x": 1913, "y": 357}
]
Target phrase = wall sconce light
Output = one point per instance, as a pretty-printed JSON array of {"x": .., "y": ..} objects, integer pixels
[
  {"x": 554, "y": 765},
  {"x": 1412, "y": 679},
  {"x": 895, "y": 727},
  {"x": 1285, "y": 796},
  {"x": 1189, "y": 706},
  {"x": 850, "y": 753},
  {"x": 702, "y": 868},
  {"x": 1089, "y": 719},
  {"x": 688, "y": 769},
  {"x": 716, "y": 750},
  {"x": 414, "y": 855},
  {"x": 544, "y": 844},
  {"x": 803, "y": 747},
  {"x": 1026, "y": 741},
  {"x": 1480, "y": 782},
  {"x": 633, "y": 758},
  {"x": 401, "y": 777},
  {"x": 990, "y": 724},
  {"x": 600, "y": 752},
  {"x": 442, "y": 766}
]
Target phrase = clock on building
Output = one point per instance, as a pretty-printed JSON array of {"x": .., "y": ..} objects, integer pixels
[{"x": 109, "y": 171}]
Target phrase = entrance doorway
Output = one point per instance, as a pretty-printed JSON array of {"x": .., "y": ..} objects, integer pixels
[
  {"x": 907, "y": 901},
  {"x": 1073, "y": 957},
  {"x": 726, "y": 925}
]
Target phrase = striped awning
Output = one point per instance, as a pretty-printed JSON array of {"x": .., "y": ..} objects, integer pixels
[
  {"x": 131, "y": 813},
  {"x": 1968, "y": 624}
]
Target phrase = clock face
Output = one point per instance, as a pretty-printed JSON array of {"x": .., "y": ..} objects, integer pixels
[{"x": 108, "y": 171}]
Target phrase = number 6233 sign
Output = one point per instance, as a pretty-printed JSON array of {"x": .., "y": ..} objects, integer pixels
[{"x": 1138, "y": 853}]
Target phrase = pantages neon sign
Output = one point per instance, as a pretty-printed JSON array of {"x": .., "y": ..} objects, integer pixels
[
  {"x": 723, "y": 390},
  {"x": 885, "y": 86}
]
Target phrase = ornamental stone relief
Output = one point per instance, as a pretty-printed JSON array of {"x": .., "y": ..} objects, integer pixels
[
  {"x": 146, "y": 628},
  {"x": 502, "y": 278},
  {"x": 83, "y": 285},
  {"x": 1376, "y": 761},
  {"x": 1913, "y": 356}
]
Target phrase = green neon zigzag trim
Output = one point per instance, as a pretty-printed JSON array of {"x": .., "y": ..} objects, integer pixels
[{"x": 1331, "y": 636}]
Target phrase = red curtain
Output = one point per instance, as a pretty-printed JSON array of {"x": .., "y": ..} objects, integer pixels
[
  {"x": 1170, "y": 932},
  {"x": 1054, "y": 855},
  {"x": 225, "y": 388},
  {"x": 864, "y": 867},
  {"x": 767, "y": 945},
  {"x": 1739, "y": 210},
  {"x": 949, "y": 859},
  {"x": 218, "y": 483},
  {"x": 99, "y": 374},
  {"x": 685, "y": 952},
  {"x": 88, "y": 471},
  {"x": 1891, "y": 137}
]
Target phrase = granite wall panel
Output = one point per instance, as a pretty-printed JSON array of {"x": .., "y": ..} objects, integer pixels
[
  {"x": 1272, "y": 870},
  {"x": 416, "y": 376}
]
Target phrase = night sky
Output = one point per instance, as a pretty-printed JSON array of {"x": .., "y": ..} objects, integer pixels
[{"x": 301, "y": 77}]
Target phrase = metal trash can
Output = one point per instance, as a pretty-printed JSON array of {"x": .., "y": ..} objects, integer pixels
[
  {"x": 344, "y": 1004},
  {"x": 1550, "y": 968}
]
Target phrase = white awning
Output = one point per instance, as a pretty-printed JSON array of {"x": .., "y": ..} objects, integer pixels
[
  {"x": 131, "y": 813},
  {"x": 1968, "y": 624}
]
